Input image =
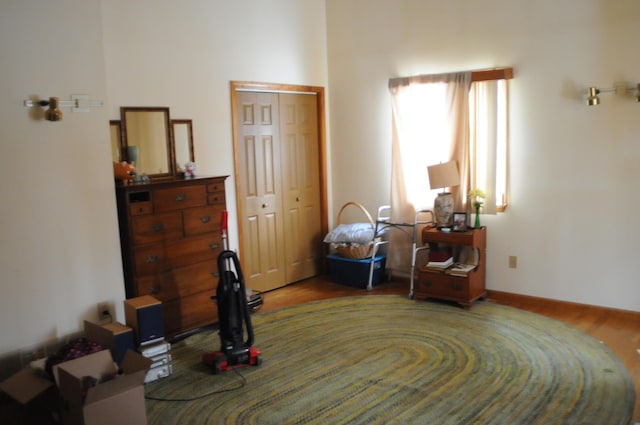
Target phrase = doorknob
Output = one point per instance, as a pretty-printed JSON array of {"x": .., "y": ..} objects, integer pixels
[{"x": 297, "y": 199}]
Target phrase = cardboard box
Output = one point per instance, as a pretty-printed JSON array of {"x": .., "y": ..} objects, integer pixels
[
  {"x": 90, "y": 390},
  {"x": 26, "y": 385},
  {"x": 115, "y": 336},
  {"x": 93, "y": 394}
]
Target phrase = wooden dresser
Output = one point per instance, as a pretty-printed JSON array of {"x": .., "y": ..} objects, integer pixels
[{"x": 170, "y": 239}]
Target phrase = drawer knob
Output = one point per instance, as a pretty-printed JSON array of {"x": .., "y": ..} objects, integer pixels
[
  {"x": 154, "y": 290},
  {"x": 151, "y": 259},
  {"x": 181, "y": 197},
  {"x": 157, "y": 228},
  {"x": 213, "y": 246},
  {"x": 297, "y": 199},
  {"x": 265, "y": 205},
  {"x": 215, "y": 274},
  {"x": 458, "y": 287},
  {"x": 427, "y": 283},
  {"x": 205, "y": 219}
]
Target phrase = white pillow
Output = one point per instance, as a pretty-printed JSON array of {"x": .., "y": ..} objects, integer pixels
[{"x": 351, "y": 233}]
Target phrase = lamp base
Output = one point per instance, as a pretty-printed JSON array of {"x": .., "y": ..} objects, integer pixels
[{"x": 443, "y": 208}]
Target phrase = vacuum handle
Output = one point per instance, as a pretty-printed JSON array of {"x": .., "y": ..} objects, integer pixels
[{"x": 224, "y": 221}]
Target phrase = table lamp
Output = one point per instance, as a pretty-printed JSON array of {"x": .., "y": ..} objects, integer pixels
[{"x": 442, "y": 176}]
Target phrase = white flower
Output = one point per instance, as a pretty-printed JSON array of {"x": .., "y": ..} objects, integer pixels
[{"x": 476, "y": 196}]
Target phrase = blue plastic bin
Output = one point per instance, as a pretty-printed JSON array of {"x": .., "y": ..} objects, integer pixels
[{"x": 348, "y": 271}]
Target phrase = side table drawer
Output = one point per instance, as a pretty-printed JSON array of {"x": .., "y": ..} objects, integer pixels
[{"x": 440, "y": 284}]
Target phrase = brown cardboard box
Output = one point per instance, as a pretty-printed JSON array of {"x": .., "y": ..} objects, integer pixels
[
  {"x": 91, "y": 391},
  {"x": 25, "y": 385},
  {"x": 93, "y": 394},
  {"x": 115, "y": 336}
]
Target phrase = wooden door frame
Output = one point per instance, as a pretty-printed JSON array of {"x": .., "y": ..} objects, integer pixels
[{"x": 252, "y": 86}]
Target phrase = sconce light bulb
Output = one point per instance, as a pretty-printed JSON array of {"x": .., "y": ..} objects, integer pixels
[
  {"x": 593, "y": 96},
  {"x": 53, "y": 113}
]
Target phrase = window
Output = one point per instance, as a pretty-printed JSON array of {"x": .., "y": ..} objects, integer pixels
[{"x": 438, "y": 118}]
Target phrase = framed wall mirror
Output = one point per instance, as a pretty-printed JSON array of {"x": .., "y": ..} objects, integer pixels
[
  {"x": 147, "y": 140},
  {"x": 182, "y": 142},
  {"x": 116, "y": 140}
]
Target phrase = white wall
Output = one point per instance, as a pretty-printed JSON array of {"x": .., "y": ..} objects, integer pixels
[
  {"x": 60, "y": 246},
  {"x": 58, "y": 249},
  {"x": 574, "y": 168},
  {"x": 184, "y": 55}
]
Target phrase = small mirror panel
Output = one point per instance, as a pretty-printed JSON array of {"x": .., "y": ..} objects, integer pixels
[
  {"x": 116, "y": 140},
  {"x": 183, "y": 142},
  {"x": 148, "y": 129}
]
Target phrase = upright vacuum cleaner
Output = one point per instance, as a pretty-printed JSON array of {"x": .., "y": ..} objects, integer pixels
[{"x": 234, "y": 316}]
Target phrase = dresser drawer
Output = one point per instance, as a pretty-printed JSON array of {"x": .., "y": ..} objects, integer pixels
[
  {"x": 215, "y": 193},
  {"x": 188, "y": 313},
  {"x": 154, "y": 228},
  {"x": 181, "y": 281},
  {"x": 216, "y": 187},
  {"x": 139, "y": 208},
  {"x": 180, "y": 197},
  {"x": 202, "y": 220},
  {"x": 440, "y": 284},
  {"x": 161, "y": 257}
]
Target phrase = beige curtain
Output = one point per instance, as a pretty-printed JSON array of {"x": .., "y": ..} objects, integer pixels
[
  {"x": 488, "y": 129},
  {"x": 431, "y": 118}
]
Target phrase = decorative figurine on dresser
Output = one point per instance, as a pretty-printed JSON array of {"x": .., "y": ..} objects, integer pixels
[{"x": 169, "y": 225}]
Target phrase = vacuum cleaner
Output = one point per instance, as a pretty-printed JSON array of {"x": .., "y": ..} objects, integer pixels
[{"x": 234, "y": 315}]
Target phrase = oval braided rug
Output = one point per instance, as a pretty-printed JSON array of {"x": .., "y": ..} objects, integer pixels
[{"x": 385, "y": 359}]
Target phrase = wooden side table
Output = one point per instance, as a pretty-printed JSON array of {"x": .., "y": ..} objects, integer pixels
[{"x": 464, "y": 290}]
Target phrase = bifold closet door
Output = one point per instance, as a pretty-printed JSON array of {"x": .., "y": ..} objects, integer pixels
[
  {"x": 301, "y": 185},
  {"x": 259, "y": 171},
  {"x": 279, "y": 173}
]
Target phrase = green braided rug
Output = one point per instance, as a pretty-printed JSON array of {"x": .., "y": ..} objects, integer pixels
[{"x": 389, "y": 360}]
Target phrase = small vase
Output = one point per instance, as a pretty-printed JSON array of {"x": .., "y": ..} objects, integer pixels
[{"x": 477, "y": 224}]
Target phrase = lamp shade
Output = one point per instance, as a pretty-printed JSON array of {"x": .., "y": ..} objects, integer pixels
[{"x": 443, "y": 175}]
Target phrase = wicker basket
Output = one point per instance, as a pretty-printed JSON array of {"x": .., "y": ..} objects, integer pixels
[{"x": 355, "y": 251}]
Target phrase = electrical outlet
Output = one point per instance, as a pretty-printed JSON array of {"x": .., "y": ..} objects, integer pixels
[
  {"x": 32, "y": 354},
  {"x": 103, "y": 311},
  {"x": 513, "y": 262}
]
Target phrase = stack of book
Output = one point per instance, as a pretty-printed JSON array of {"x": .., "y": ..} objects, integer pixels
[{"x": 439, "y": 266}]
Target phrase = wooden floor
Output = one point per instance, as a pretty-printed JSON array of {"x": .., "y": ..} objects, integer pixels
[{"x": 619, "y": 330}]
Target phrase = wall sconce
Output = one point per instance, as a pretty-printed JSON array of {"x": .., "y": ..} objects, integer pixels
[
  {"x": 78, "y": 103},
  {"x": 621, "y": 89}
]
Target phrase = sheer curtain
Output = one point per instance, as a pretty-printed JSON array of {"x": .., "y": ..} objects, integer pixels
[
  {"x": 487, "y": 143},
  {"x": 430, "y": 125}
]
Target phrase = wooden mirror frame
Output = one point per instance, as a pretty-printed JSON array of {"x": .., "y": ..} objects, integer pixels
[
  {"x": 183, "y": 144},
  {"x": 129, "y": 139},
  {"x": 115, "y": 131}
]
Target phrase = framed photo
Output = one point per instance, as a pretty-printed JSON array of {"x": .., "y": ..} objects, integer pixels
[{"x": 459, "y": 222}]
